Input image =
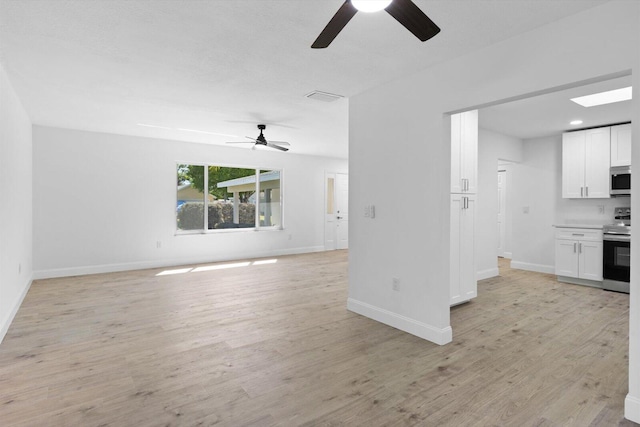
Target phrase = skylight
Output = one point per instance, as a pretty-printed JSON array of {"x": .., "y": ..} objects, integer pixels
[{"x": 602, "y": 98}]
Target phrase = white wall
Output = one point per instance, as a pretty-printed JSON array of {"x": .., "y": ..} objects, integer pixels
[
  {"x": 537, "y": 185},
  {"x": 632, "y": 402},
  {"x": 400, "y": 160},
  {"x": 16, "y": 205},
  {"x": 103, "y": 201},
  {"x": 492, "y": 148}
]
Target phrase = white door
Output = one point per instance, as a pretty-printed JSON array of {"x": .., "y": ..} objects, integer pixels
[
  {"x": 464, "y": 152},
  {"x": 621, "y": 145},
  {"x": 455, "y": 288},
  {"x": 342, "y": 210},
  {"x": 502, "y": 198},
  {"x": 336, "y": 229},
  {"x": 469, "y": 161},
  {"x": 567, "y": 258},
  {"x": 597, "y": 163},
  {"x": 573, "y": 158},
  {"x": 462, "y": 273},
  {"x": 590, "y": 260},
  {"x": 330, "y": 225}
]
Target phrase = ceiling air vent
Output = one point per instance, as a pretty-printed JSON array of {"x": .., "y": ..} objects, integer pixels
[{"x": 323, "y": 96}]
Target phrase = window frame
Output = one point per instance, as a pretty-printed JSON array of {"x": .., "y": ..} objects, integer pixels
[{"x": 256, "y": 224}]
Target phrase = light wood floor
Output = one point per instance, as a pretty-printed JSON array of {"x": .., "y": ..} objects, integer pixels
[{"x": 273, "y": 344}]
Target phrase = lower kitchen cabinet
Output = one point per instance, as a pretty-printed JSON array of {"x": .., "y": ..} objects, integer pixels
[
  {"x": 463, "y": 281},
  {"x": 579, "y": 253}
]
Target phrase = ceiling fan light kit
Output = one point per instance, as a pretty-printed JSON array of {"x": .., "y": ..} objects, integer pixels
[
  {"x": 370, "y": 5},
  {"x": 404, "y": 11}
]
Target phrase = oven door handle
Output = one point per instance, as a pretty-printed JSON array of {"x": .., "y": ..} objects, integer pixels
[{"x": 616, "y": 238}]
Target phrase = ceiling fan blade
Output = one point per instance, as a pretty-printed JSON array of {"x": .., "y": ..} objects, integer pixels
[
  {"x": 408, "y": 14},
  {"x": 277, "y": 147},
  {"x": 337, "y": 23},
  {"x": 240, "y": 142},
  {"x": 280, "y": 143}
]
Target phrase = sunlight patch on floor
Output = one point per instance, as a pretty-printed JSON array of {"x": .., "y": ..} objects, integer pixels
[{"x": 216, "y": 267}]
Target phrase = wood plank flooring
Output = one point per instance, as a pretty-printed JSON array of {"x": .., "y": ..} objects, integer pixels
[{"x": 272, "y": 344}]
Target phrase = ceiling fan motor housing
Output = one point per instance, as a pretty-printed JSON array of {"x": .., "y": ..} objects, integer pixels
[{"x": 261, "y": 139}]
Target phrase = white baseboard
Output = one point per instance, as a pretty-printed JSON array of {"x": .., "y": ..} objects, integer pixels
[
  {"x": 411, "y": 326},
  {"x": 487, "y": 274},
  {"x": 6, "y": 322},
  {"x": 142, "y": 265},
  {"x": 632, "y": 408},
  {"x": 508, "y": 255},
  {"x": 539, "y": 268}
]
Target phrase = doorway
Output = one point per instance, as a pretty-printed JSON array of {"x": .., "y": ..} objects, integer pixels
[{"x": 336, "y": 224}]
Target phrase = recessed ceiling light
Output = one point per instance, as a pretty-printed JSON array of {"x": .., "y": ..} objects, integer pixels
[
  {"x": 575, "y": 122},
  {"x": 602, "y": 98}
]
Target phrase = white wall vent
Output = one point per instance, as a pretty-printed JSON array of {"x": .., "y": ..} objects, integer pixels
[{"x": 323, "y": 96}]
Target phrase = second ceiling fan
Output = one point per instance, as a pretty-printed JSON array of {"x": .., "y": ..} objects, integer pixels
[
  {"x": 404, "y": 11},
  {"x": 261, "y": 140}
]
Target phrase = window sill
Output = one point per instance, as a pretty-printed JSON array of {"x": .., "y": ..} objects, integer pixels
[{"x": 227, "y": 230}]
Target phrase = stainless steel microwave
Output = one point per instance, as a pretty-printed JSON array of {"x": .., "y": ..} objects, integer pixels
[{"x": 620, "y": 181}]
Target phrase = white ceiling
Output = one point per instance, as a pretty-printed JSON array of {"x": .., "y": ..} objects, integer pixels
[
  {"x": 222, "y": 66},
  {"x": 550, "y": 114}
]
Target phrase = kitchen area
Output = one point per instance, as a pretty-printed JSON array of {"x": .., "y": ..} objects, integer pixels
[
  {"x": 596, "y": 164},
  {"x": 562, "y": 189}
]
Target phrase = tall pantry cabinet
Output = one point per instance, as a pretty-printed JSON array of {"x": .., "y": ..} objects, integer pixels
[{"x": 464, "y": 179}]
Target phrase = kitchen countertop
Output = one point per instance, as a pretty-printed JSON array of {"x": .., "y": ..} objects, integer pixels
[{"x": 580, "y": 225}]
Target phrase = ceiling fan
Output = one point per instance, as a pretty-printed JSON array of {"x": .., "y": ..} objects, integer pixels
[
  {"x": 404, "y": 11},
  {"x": 261, "y": 140}
]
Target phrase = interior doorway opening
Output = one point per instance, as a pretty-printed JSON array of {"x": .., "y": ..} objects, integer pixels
[{"x": 336, "y": 225}]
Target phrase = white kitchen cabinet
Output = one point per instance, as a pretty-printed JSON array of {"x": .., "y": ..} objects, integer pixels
[
  {"x": 621, "y": 145},
  {"x": 579, "y": 253},
  {"x": 464, "y": 152},
  {"x": 463, "y": 281},
  {"x": 585, "y": 163}
]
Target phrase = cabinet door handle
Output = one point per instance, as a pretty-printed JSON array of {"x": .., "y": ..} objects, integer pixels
[
  {"x": 581, "y": 191},
  {"x": 577, "y": 234},
  {"x": 579, "y": 248},
  {"x": 586, "y": 191},
  {"x": 574, "y": 247}
]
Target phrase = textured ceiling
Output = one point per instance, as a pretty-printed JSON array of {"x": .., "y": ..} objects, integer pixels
[
  {"x": 222, "y": 66},
  {"x": 550, "y": 114}
]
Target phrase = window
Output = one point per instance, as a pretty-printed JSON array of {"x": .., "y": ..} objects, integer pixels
[{"x": 235, "y": 198}]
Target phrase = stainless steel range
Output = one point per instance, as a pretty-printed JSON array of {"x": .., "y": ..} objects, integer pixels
[{"x": 616, "y": 254}]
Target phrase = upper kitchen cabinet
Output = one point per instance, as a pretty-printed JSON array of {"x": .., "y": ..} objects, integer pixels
[
  {"x": 621, "y": 145},
  {"x": 585, "y": 163},
  {"x": 464, "y": 152}
]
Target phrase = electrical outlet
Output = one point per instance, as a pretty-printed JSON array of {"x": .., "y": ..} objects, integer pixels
[
  {"x": 19, "y": 268},
  {"x": 525, "y": 210},
  {"x": 158, "y": 244},
  {"x": 601, "y": 209},
  {"x": 395, "y": 284},
  {"x": 372, "y": 211}
]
